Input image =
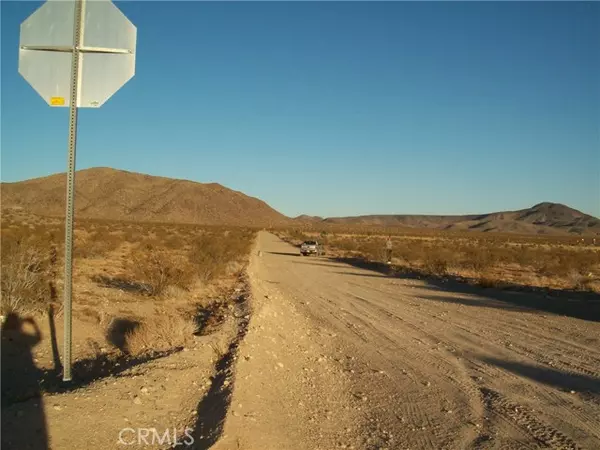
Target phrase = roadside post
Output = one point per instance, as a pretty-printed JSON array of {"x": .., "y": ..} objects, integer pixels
[{"x": 76, "y": 54}]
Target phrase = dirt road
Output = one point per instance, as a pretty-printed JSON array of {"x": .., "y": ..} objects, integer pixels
[{"x": 340, "y": 357}]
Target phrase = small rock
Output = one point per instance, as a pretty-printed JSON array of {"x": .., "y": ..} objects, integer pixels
[
  {"x": 144, "y": 390},
  {"x": 137, "y": 400},
  {"x": 572, "y": 392},
  {"x": 280, "y": 365},
  {"x": 56, "y": 407}
]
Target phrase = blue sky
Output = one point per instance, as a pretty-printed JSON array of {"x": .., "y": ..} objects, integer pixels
[{"x": 340, "y": 108}]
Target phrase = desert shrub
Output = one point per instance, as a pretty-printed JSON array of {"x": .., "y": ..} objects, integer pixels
[
  {"x": 174, "y": 241},
  {"x": 297, "y": 235},
  {"x": 551, "y": 266},
  {"x": 526, "y": 256},
  {"x": 372, "y": 249},
  {"x": 435, "y": 265},
  {"x": 487, "y": 280},
  {"x": 347, "y": 244},
  {"x": 581, "y": 261},
  {"x": 162, "y": 234},
  {"x": 132, "y": 234},
  {"x": 324, "y": 239},
  {"x": 211, "y": 253},
  {"x": 563, "y": 262},
  {"x": 97, "y": 244},
  {"x": 158, "y": 269},
  {"x": 408, "y": 251},
  {"x": 26, "y": 275},
  {"x": 164, "y": 331},
  {"x": 579, "y": 281},
  {"x": 477, "y": 259}
]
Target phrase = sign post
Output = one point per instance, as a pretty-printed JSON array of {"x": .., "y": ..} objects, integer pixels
[{"x": 76, "y": 54}]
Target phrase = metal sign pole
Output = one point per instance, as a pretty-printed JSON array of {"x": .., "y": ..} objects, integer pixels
[
  {"x": 57, "y": 42},
  {"x": 75, "y": 85}
]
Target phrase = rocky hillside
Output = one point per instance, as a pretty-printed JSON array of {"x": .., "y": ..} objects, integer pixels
[{"x": 120, "y": 195}]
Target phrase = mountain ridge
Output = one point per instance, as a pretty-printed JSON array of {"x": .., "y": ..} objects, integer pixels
[
  {"x": 103, "y": 192},
  {"x": 542, "y": 218}
]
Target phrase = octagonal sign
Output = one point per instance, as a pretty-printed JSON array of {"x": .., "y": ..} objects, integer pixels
[{"x": 107, "y": 52}]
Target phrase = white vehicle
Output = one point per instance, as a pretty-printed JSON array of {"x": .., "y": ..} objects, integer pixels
[{"x": 311, "y": 248}]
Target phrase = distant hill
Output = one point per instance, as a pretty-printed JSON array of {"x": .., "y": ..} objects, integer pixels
[
  {"x": 308, "y": 219},
  {"x": 119, "y": 195},
  {"x": 544, "y": 218},
  {"x": 116, "y": 194}
]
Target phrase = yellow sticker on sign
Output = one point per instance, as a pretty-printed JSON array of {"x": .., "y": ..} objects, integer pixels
[{"x": 57, "y": 101}]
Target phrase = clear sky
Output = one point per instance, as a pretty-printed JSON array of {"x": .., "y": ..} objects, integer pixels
[{"x": 335, "y": 108}]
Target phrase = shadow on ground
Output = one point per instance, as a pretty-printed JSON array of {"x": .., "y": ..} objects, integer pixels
[
  {"x": 580, "y": 305},
  {"x": 284, "y": 253},
  {"x": 23, "y": 380},
  {"x": 558, "y": 379},
  {"x": 209, "y": 318},
  {"x": 118, "y": 330},
  {"x": 122, "y": 284},
  {"x": 23, "y": 416},
  {"x": 19, "y": 373},
  {"x": 213, "y": 407}
]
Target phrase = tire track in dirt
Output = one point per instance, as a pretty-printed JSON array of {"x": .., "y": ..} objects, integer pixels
[
  {"x": 582, "y": 414},
  {"x": 527, "y": 421}
]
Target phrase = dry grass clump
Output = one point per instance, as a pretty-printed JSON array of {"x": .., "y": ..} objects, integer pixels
[
  {"x": 27, "y": 274},
  {"x": 157, "y": 263},
  {"x": 158, "y": 268},
  {"x": 163, "y": 331},
  {"x": 96, "y": 244},
  {"x": 213, "y": 252},
  {"x": 581, "y": 282}
]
